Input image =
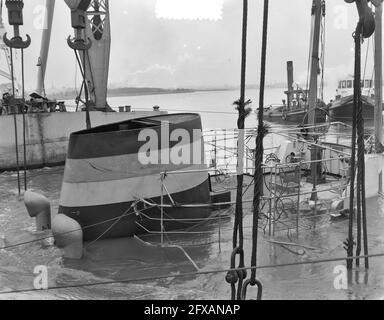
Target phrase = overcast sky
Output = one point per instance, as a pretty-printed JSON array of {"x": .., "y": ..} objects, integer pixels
[{"x": 147, "y": 51}]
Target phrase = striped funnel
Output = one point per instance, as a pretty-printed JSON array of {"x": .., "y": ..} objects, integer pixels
[{"x": 111, "y": 169}]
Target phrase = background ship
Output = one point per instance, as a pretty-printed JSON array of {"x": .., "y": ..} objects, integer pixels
[
  {"x": 295, "y": 109},
  {"x": 342, "y": 108}
]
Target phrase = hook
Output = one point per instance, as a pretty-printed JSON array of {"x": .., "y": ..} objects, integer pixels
[
  {"x": 17, "y": 42},
  {"x": 79, "y": 44}
]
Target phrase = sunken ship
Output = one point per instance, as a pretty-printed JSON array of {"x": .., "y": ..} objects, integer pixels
[{"x": 119, "y": 177}]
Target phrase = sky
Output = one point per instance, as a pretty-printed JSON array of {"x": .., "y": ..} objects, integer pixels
[{"x": 148, "y": 51}]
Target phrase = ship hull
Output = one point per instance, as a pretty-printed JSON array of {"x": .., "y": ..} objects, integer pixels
[
  {"x": 147, "y": 220},
  {"x": 108, "y": 189},
  {"x": 297, "y": 117},
  {"x": 342, "y": 110}
]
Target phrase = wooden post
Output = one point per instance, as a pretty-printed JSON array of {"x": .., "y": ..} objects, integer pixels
[{"x": 378, "y": 77}]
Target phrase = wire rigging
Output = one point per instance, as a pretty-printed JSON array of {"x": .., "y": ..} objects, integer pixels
[
  {"x": 238, "y": 237},
  {"x": 192, "y": 274}
]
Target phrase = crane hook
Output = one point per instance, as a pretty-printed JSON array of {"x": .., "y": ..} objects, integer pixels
[
  {"x": 17, "y": 42},
  {"x": 79, "y": 44}
]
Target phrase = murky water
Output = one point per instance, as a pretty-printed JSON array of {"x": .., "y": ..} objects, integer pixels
[{"x": 209, "y": 246}]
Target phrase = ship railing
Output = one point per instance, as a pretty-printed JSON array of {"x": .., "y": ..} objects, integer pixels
[
  {"x": 283, "y": 192},
  {"x": 221, "y": 146}
]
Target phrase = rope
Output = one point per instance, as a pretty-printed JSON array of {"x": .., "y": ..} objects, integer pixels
[
  {"x": 85, "y": 86},
  {"x": 357, "y": 132},
  {"x": 362, "y": 208},
  {"x": 15, "y": 125},
  {"x": 238, "y": 236},
  {"x": 259, "y": 153},
  {"x": 111, "y": 226}
]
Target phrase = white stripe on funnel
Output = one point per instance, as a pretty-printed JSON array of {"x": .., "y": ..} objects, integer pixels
[{"x": 118, "y": 191}]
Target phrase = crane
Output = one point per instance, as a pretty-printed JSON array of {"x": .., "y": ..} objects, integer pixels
[
  {"x": 4, "y": 50},
  {"x": 91, "y": 21},
  {"x": 44, "y": 50},
  {"x": 95, "y": 19}
]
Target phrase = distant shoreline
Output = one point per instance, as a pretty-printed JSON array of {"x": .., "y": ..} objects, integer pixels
[{"x": 129, "y": 92}]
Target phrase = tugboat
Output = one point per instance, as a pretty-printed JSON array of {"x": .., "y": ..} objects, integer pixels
[
  {"x": 342, "y": 108},
  {"x": 295, "y": 109},
  {"x": 108, "y": 177}
]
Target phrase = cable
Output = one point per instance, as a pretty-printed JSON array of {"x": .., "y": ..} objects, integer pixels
[
  {"x": 191, "y": 274},
  {"x": 110, "y": 227},
  {"x": 64, "y": 233},
  {"x": 194, "y": 110}
]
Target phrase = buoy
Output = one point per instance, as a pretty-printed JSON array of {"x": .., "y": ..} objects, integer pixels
[
  {"x": 68, "y": 236},
  {"x": 38, "y": 207}
]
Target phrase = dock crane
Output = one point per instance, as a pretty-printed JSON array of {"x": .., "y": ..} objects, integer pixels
[
  {"x": 4, "y": 50},
  {"x": 90, "y": 20}
]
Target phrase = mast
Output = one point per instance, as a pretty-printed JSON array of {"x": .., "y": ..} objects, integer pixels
[
  {"x": 314, "y": 72},
  {"x": 378, "y": 77},
  {"x": 44, "y": 50}
]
